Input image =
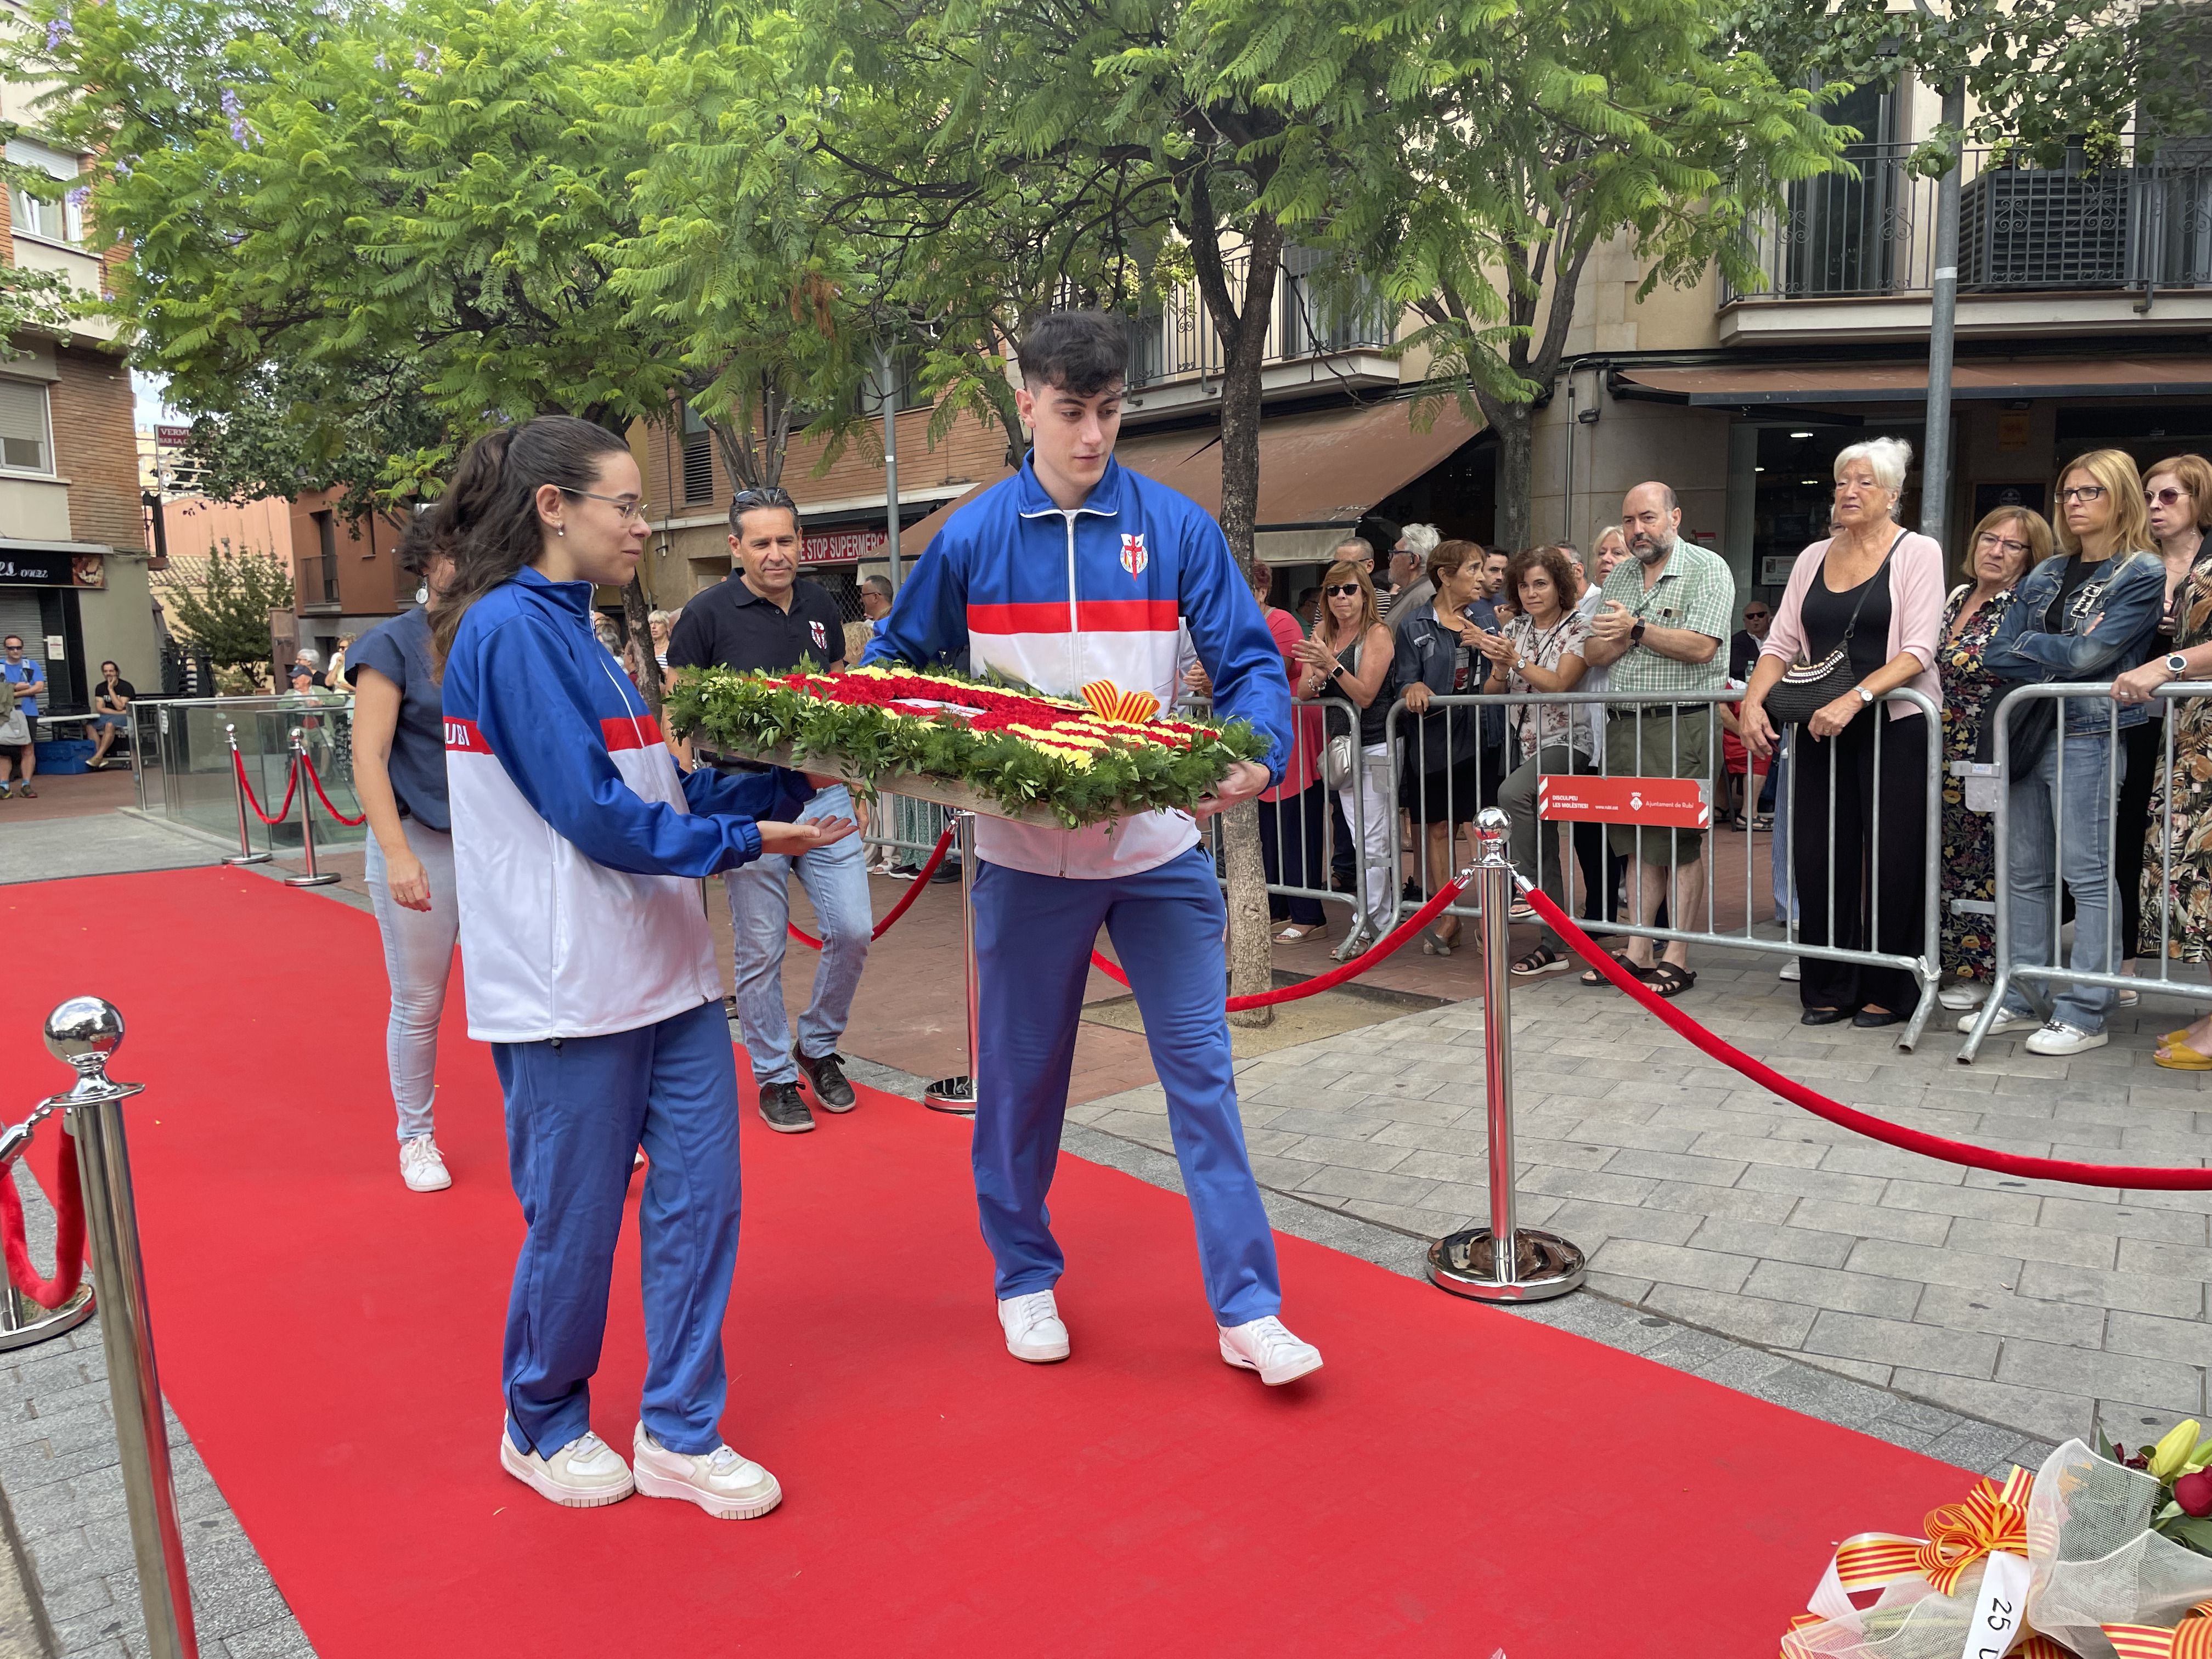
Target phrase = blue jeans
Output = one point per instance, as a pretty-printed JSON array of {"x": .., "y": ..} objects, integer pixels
[
  {"x": 836, "y": 882},
  {"x": 1033, "y": 938},
  {"x": 2084, "y": 861},
  {"x": 577, "y": 1110}
]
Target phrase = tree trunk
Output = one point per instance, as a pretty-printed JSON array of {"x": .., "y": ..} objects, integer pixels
[
  {"x": 1514, "y": 425},
  {"x": 637, "y": 611},
  {"x": 1251, "y": 960},
  {"x": 1244, "y": 350}
]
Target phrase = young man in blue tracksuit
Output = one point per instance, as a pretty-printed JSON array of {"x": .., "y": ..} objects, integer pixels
[
  {"x": 1076, "y": 571},
  {"x": 577, "y": 851}
]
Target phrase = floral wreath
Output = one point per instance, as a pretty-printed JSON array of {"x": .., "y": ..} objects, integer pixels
[{"x": 1107, "y": 757}]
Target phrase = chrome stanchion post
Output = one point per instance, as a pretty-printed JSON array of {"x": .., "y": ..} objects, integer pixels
[
  {"x": 313, "y": 876},
  {"x": 957, "y": 1094},
  {"x": 245, "y": 853},
  {"x": 22, "y": 1321},
  {"x": 1531, "y": 1266},
  {"x": 83, "y": 1032}
]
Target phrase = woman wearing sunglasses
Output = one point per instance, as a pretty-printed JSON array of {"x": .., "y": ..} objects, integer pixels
[
  {"x": 1348, "y": 656},
  {"x": 2175, "y": 863},
  {"x": 589, "y": 967}
]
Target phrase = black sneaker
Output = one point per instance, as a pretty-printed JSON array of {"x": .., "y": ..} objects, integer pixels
[
  {"x": 784, "y": 1109},
  {"x": 827, "y": 1079},
  {"x": 948, "y": 870}
]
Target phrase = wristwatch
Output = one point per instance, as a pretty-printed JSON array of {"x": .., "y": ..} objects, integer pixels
[
  {"x": 2177, "y": 664},
  {"x": 1336, "y": 670},
  {"x": 1865, "y": 695},
  {"x": 1635, "y": 633}
]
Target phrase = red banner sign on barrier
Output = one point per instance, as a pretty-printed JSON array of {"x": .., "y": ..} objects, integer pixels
[{"x": 1680, "y": 803}]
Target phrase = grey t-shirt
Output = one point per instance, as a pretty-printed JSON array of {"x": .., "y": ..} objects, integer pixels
[{"x": 400, "y": 651}]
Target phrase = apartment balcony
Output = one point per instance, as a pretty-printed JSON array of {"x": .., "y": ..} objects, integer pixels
[
  {"x": 316, "y": 585},
  {"x": 2041, "y": 251},
  {"x": 1319, "y": 338}
]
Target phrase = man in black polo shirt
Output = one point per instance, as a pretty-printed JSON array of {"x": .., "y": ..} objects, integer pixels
[{"x": 763, "y": 616}]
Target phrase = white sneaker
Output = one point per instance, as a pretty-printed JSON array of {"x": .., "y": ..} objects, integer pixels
[
  {"x": 727, "y": 1485},
  {"x": 423, "y": 1167},
  {"x": 1265, "y": 1347},
  {"x": 584, "y": 1474},
  {"x": 2058, "y": 1038},
  {"x": 1964, "y": 994},
  {"x": 1032, "y": 1326},
  {"x": 1788, "y": 970},
  {"x": 2003, "y": 1025}
]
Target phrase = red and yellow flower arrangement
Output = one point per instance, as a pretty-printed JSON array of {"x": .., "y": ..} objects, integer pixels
[{"x": 1107, "y": 757}]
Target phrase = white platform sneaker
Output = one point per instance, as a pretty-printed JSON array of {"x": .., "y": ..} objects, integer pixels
[
  {"x": 1032, "y": 1326},
  {"x": 1265, "y": 1347},
  {"x": 724, "y": 1482},
  {"x": 584, "y": 1474},
  {"x": 423, "y": 1167}
]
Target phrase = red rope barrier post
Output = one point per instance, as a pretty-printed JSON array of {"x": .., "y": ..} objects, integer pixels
[
  {"x": 82, "y": 1033},
  {"x": 1503, "y": 1261},
  {"x": 245, "y": 853},
  {"x": 32, "y": 1307},
  {"x": 313, "y": 876},
  {"x": 957, "y": 1095}
]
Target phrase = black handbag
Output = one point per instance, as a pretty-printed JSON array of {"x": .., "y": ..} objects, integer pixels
[
  {"x": 2033, "y": 722},
  {"x": 1808, "y": 688}
]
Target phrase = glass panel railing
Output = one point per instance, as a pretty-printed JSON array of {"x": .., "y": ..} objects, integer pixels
[{"x": 187, "y": 774}]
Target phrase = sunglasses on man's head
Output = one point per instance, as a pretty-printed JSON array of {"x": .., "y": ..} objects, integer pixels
[
  {"x": 766, "y": 496},
  {"x": 2165, "y": 497},
  {"x": 1341, "y": 587}
]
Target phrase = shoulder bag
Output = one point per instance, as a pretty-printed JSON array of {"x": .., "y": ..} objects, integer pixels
[
  {"x": 1808, "y": 688},
  {"x": 1340, "y": 758}
]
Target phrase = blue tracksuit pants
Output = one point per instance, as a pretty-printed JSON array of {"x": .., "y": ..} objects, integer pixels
[
  {"x": 577, "y": 1110},
  {"x": 1033, "y": 940}
]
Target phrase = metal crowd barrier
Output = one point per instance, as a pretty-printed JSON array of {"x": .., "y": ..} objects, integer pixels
[
  {"x": 1708, "y": 927},
  {"x": 1992, "y": 783}
]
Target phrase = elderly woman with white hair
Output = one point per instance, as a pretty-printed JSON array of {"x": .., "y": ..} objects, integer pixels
[{"x": 1863, "y": 610}]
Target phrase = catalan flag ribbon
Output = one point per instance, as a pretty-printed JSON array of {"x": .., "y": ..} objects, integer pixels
[
  {"x": 2190, "y": 1639},
  {"x": 1109, "y": 701},
  {"x": 1991, "y": 1518}
]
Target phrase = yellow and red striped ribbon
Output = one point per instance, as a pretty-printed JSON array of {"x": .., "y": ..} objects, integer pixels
[
  {"x": 2190, "y": 1639},
  {"x": 1991, "y": 1518},
  {"x": 1111, "y": 703}
]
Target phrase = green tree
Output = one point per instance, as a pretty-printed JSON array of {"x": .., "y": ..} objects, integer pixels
[
  {"x": 222, "y": 600},
  {"x": 1546, "y": 128}
]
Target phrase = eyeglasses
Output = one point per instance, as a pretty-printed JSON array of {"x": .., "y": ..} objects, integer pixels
[
  {"x": 1341, "y": 587},
  {"x": 2003, "y": 544},
  {"x": 630, "y": 506},
  {"x": 766, "y": 496},
  {"x": 2165, "y": 497},
  {"x": 2083, "y": 492},
  {"x": 1756, "y": 616}
]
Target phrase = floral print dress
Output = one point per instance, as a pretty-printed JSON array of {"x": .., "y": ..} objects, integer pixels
[
  {"x": 2189, "y": 889},
  {"x": 1970, "y": 867}
]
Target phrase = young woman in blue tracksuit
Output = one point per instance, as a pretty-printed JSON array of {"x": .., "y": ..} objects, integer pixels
[
  {"x": 577, "y": 851},
  {"x": 1071, "y": 571}
]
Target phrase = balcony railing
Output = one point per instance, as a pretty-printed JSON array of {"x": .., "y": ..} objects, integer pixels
[
  {"x": 318, "y": 583},
  {"x": 1309, "y": 319},
  {"x": 2021, "y": 229}
]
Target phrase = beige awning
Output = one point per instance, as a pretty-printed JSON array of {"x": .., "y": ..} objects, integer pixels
[{"x": 1892, "y": 383}]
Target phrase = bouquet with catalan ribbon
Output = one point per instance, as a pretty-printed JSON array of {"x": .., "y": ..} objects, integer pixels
[
  {"x": 1000, "y": 750},
  {"x": 2100, "y": 1554}
]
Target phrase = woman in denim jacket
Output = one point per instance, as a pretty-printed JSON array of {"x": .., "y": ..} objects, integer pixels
[{"x": 2074, "y": 617}]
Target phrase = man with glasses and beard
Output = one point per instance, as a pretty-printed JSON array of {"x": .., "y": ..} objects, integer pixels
[{"x": 762, "y": 616}]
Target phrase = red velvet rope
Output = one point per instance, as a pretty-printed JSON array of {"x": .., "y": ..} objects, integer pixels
[
  {"x": 906, "y": 900},
  {"x": 1390, "y": 943},
  {"x": 315, "y": 779},
  {"x": 291, "y": 788},
  {"x": 1874, "y": 1128},
  {"x": 69, "y": 1237}
]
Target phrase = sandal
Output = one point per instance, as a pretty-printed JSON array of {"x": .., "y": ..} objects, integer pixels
[
  {"x": 1541, "y": 960},
  {"x": 2178, "y": 1056},
  {"x": 1668, "y": 981},
  {"x": 1764, "y": 820},
  {"x": 1295, "y": 934},
  {"x": 1434, "y": 944},
  {"x": 1592, "y": 977}
]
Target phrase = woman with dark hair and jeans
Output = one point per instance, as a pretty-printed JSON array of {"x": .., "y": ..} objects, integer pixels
[
  {"x": 578, "y": 847},
  {"x": 1860, "y": 795},
  {"x": 1440, "y": 777}
]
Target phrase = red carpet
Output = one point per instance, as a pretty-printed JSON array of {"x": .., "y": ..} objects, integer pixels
[{"x": 1456, "y": 1481}]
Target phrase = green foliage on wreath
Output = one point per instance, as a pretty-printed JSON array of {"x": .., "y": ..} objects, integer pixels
[{"x": 752, "y": 714}]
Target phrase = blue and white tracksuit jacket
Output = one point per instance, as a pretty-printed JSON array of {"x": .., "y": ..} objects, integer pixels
[
  {"x": 589, "y": 968},
  {"x": 1058, "y": 598}
]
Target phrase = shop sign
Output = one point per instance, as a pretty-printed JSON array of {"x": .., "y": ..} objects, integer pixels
[
  {"x": 842, "y": 546},
  {"x": 51, "y": 568}
]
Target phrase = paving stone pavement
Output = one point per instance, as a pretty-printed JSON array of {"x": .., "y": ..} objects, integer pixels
[{"x": 2038, "y": 1306}]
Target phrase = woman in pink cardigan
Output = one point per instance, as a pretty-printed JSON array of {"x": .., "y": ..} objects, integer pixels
[{"x": 1892, "y": 581}]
